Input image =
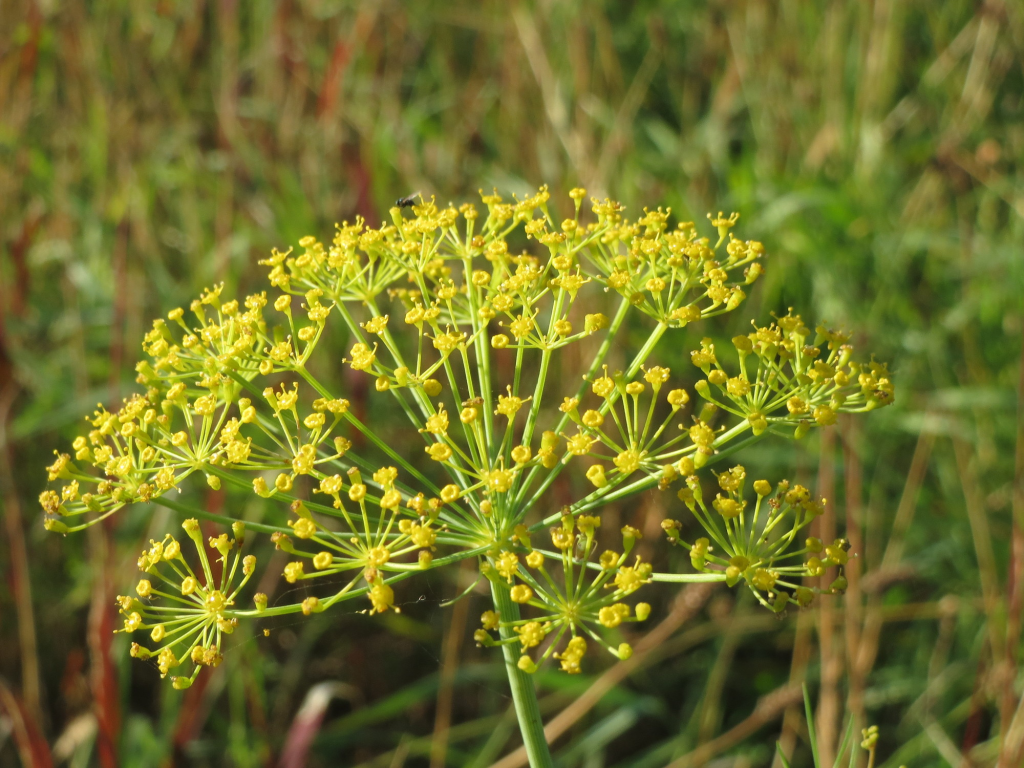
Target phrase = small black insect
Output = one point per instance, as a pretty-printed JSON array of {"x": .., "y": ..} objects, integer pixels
[{"x": 408, "y": 201}]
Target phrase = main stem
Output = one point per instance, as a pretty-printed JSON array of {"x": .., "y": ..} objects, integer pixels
[{"x": 524, "y": 695}]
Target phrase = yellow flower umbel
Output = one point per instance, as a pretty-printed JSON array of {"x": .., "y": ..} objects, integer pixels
[
  {"x": 622, "y": 433},
  {"x": 784, "y": 381},
  {"x": 382, "y": 527},
  {"x": 462, "y": 317},
  {"x": 572, "y": 594},
  {"x": 760, "y": 546},
  {"x": 186, "y": 613}
]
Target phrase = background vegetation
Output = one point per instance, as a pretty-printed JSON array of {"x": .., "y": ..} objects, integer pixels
[{"x": 148, "y": 149}]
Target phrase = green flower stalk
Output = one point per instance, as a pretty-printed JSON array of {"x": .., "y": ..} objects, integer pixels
[{"x": 461, "y": 333}]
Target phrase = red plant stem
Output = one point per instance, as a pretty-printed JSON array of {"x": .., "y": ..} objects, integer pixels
[
  {"x": 102, "y": 616},
  {"x": 21, "y": 586}
]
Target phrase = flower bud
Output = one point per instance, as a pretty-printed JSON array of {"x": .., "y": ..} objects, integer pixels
[
  {"x": 521, "y": 454},
  {"x": 595, "y": 322},
  {"x": 323, "y": 560},
  {"x": 686, "y": 315},
  {"x": 698, "y": 553},
  {"x": 54, "y": 525},
  {"x": 837, "y": 553},
  {"x": 482, "y": 637},
  {"x": 742, "y": 343},
  {"x": 804, "y": 596},
  {"x": 824, "y": 416},
  {"x": 732, "y": 575},
  {"x": 758, "y": 423},
  {"x": 311, "y": 605},
  {"x": 526, "y": 664},
  {"x": 172, "y": 550},
  {"x": 780, "y": 602},
  {"x": 293, "y": 571},
  {"x": 596, "y": 475},
  {"x": 521, "y": 593}
]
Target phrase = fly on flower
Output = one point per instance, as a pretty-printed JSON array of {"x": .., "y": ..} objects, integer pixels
[{"x": 408, "y": 201}]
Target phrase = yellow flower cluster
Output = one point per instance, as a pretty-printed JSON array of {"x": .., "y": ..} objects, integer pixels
[
  {"x": 677, "y": 276},
  {"x": 785, "y": 381},
  {"x": 187, "y": 613},
  {"x": 622, "y": 432},
  {"x": 375, "y": 540},
  {"x": 572, "y": 593},
  {"x": 462, "y": 317},
  {"x": 760, "y": 546},
  {"x": 144, "y": 450}
]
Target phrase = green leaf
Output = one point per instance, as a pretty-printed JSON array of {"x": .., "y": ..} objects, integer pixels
[{"x": 811, "y": 735}]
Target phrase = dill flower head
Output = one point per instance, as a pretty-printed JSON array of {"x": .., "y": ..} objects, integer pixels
[
  {"x": 187, "y": 612},
  {"x": 790, "y": 379},
  {"x": 761, "y": 543},
  {"x": 572, "y": 594},
  {"x": 464, "y": 336}
]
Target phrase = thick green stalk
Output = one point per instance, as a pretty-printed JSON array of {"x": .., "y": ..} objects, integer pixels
[{"x": 524, "y": 695}]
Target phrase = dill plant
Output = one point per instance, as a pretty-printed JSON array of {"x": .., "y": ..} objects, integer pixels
[{"x": 461, "y": 335}]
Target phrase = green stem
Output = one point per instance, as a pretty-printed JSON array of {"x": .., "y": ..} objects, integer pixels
[
  {"x": 524, "y": 695},
  {"x": 688, "y": 578},
  {"x": 221, "y": 519},
  {"x": 599, "y": 358}
]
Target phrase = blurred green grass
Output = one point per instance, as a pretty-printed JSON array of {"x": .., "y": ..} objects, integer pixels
[{"x": 150, "y": 149}]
